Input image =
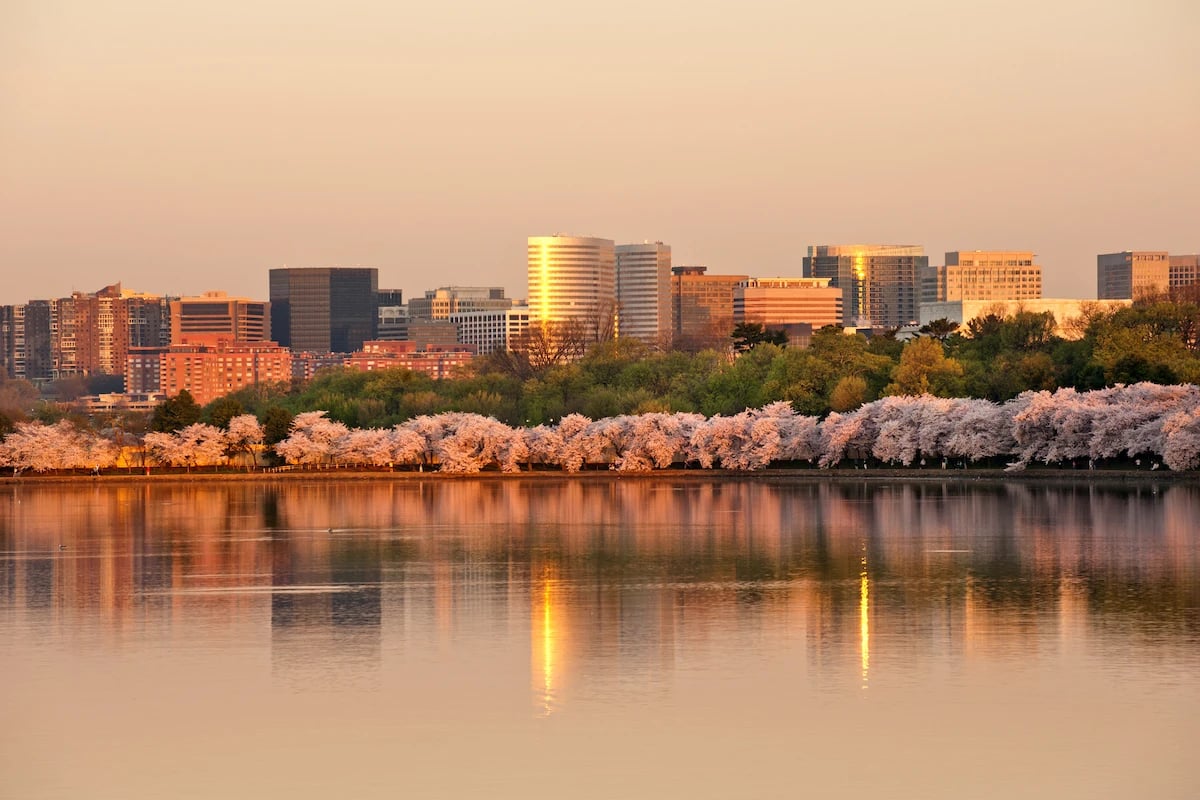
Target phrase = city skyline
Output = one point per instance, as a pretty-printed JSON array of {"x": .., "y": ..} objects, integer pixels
[{"x": 186, "y": 149}]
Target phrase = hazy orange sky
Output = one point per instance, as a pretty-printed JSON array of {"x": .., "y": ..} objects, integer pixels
[{"x": 184, "y": 146}]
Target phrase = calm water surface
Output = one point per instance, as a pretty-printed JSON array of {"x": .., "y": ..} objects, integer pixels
[{"x": 606, "y": 638}]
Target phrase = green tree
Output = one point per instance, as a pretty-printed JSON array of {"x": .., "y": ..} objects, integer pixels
[
  {"x": 849, "y": 393},
  {"x": 220, "y": 411},
  {"x": 175, "y": 413},
  {"x": 924, "y": 369},
  {"x": 276, "y": 422},
  {"x": 748, "y": 335}
]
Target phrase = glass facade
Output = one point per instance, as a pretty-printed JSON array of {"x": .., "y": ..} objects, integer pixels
[{"x": 324, "y": 309}]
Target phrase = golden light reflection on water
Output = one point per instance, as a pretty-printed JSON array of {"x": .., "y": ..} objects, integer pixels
[
  {"x": 864, "y": 623},
  {"x": 546, "y": 636}
]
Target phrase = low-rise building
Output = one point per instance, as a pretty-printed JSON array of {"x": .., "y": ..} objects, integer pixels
[
  {"x": 436, "y": 361},
  {"x": 211, "y": 371},
  {"x": 491, "y": 330}
]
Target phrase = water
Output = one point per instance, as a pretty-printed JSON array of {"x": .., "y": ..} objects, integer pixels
[{"x": 662, "y": 637}]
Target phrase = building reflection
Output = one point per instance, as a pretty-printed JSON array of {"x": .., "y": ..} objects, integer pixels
[{"x": 614, "y": 582}]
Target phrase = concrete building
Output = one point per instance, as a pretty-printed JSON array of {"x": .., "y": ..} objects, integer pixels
[
  {"x": 1132, "y": 274},
  {"x": 215, "y": 317},
  {"x": 1066, "y": 311},
  {"x": 702, "y": 308},
  {"x": 211, "y": 371},
  {"x": 1184, "y": 272},
  {"x": 776, "y": 302},
  {"x": 983, "y": 275},
  {"x": 880, "y": 283},
  {"x": 436, "y": 361},
  {"x": 324, "y": 309},
  {"x": 440, "y": 303},
  {"x": 491, "y": 330},
  {"x": 644, "y": 292},
  {"x": 572, "y": 282}
]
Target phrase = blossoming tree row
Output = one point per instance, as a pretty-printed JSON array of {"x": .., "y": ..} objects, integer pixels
[{"x": 1139, "y": 421}]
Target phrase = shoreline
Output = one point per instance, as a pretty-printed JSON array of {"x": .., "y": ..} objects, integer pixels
[{"x": 811, "y": 475}]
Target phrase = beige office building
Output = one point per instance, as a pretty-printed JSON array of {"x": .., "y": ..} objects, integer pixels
[
  {"x": 1132, "y": 274},
  {"x": 987, "y": 275},
  {"x": 644, "y": 291},
  {"x": 1184, "y": 271},
  {"x": 572, "y": 281}
]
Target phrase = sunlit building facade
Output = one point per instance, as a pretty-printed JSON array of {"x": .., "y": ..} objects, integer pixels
[
  {"x": 211, "y": 371},
  {"x": 1132, "y": 274},
  {"x": 1184, "y": 272},
  {"x": 572, "y": 281},
  {"x": 786, "y": 301},
  {"x": 984, "y": 275},
  {"x": 440, "y": 303},
  {"x": 880, "y": 283},
  {"x": 644, "y": 292},
  {"x": 702, "y": 308},
  {"x": 215, "y": 317}
]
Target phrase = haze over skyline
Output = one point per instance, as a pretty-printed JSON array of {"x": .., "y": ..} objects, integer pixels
[{"x": 189, "y": 146}]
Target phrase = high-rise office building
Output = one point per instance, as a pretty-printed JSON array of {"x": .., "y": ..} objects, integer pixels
[
  {"x": 644, "y": 292},
  {"x": 880, "y": 283},
  {"x": 324, "y": 309},
  {"x": 215, "y": 317},
  {"x": 702, "y": 308},
  {"x": 1132, "y": 274},
  {"x": 572, "y": 283},
  {"x": 983, "y": 275}
]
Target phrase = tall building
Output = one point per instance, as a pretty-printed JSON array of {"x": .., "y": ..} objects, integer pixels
[
  {"x": 572, "y": 282},
  {"x": 440, "y": 303},
  {"x": 984, "y": 275},
  {"x": 880, "y": 283},
  {"x": 32, "y": 356},
  {"x": 644, "y": 292},
  {"x": 702, "y": 308},
  {"x": 1132, "y": 274},
  {"x": 215, "y": 317},
  {"x": 8, "y": 331},
  {"x": 324, "y": 309},
  {"x": 777, "y": 302}
]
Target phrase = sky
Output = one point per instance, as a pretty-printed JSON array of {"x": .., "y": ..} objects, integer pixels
[{"x": 190, "y": 146}]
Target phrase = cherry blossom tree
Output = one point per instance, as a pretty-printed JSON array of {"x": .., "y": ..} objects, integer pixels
[
  {"x": 197, "y": 445},
  {"x": 244, "y": 435},
  {"x": 39, "y": 447},
  {"x": 313, "y": 439},
  {"x": 1181, "y": 432}
]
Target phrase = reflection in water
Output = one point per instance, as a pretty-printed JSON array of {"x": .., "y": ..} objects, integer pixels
[
  {"x": 608, "y": 596},
  {"x": 864, "y": 622}
]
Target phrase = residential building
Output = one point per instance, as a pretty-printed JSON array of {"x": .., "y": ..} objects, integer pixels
[
  {"x": 491, "y": 330},
  {"x": 422, "y": 332},
  {"x": 211, "y": 371},
  {"x": 436, "y": 361},
  {"x": 215, "y": 317},
  {"x": 702, "y": 308},
  {"x": 1132, "y": 274},
  {"x": 324, "y": 309},
  {"x": 572, "y": 283},
  {"x": 775, "y": 302},
  {"x": 880, "y": 283},
  {"x": 644, "y": 292}
]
